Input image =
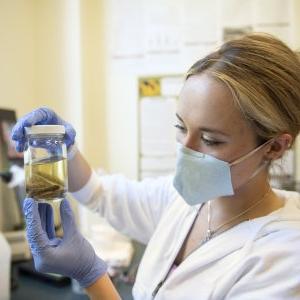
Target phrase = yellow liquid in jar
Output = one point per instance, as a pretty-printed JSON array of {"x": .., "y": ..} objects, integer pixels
[{"x": 46, "y": 180}]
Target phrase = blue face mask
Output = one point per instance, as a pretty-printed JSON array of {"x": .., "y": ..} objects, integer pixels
[{"x": 201, "y": 177}]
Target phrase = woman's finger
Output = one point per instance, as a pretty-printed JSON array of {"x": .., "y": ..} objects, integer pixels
[{"x": 36, "y": 236}]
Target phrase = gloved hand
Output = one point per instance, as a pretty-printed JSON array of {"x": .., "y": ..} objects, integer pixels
[
  {"x": 72, "y": 255},
  {"x": 40, "y": 116}
]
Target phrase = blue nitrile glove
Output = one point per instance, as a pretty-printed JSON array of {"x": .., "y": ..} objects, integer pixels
[
  {"x": 72, "y": 255},
  {"x": 40, "y": 116}
]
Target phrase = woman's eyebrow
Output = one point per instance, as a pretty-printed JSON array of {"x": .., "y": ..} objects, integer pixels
[
  {"x": 205, "y": 129},
  {"x": 180, "y": 119}
]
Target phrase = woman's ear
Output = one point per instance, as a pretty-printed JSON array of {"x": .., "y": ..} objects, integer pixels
[{"x": 278, "y": 146}]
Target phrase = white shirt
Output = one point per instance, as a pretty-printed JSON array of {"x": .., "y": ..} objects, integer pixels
[{"x": 257, "y": 259}]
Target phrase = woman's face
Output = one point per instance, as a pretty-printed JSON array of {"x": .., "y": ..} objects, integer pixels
[{"x": 209, "y": 122}]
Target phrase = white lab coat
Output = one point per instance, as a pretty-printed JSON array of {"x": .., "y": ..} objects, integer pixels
[{"x": 257, "y": 259}]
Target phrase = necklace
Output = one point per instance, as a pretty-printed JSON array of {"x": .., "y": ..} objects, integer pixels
[{"x": 210, "y": 233}]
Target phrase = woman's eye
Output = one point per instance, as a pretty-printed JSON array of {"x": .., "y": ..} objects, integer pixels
[
  {"x": 181, "y": 128},
  {"x": 210, "y": 142},
  {"x": 207, "y": 142}
]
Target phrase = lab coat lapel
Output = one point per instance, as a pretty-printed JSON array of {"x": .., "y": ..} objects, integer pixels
[{"x": 241, "y": 236}]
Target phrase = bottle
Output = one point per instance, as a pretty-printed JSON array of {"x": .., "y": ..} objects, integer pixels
[{"x": 45, "y": 163}]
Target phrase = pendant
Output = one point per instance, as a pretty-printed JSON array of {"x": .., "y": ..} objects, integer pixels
[{"x": 209, "y": 234}]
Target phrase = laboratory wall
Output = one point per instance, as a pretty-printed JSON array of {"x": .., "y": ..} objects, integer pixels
[
  {"x": 166, "y": 37},
  {"x": 84, "y": 58}
]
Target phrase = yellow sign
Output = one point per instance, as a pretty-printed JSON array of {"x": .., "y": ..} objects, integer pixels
[{"x": 149, "y": 87}]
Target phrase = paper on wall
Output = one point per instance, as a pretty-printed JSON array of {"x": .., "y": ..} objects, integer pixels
[
  {"x": 171, "y": 86},
  {"x": 200, "y": 22},
  {"x": 126, "y": 26},
  {"x": 157, "y": 133},
  {"x": 236, "y": 13},
  {"x": 162, "y": 25},
  {"x": 271, "y": 11}
]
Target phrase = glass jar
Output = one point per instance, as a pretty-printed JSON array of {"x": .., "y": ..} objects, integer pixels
[{"x": 45, "y": 163}]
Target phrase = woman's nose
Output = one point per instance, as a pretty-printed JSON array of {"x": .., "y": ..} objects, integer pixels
[{"x": 191, "y": 142}]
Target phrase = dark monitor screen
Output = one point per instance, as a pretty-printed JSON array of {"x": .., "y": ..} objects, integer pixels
[{"x": 8, "y": 152}]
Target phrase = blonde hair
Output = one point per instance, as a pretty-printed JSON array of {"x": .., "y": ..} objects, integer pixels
[{"x": 264, "y": 76}]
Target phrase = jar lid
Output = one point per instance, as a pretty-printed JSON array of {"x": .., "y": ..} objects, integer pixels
[{"x": 45, "y": 129}]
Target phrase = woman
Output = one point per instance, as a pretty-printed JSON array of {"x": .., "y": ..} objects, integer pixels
[{"x": 217, "y": 230}]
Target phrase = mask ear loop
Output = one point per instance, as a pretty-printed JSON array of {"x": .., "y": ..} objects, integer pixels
[
  {"x": 265, "y": 163},
  {"x": 250, "y": 153}
]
